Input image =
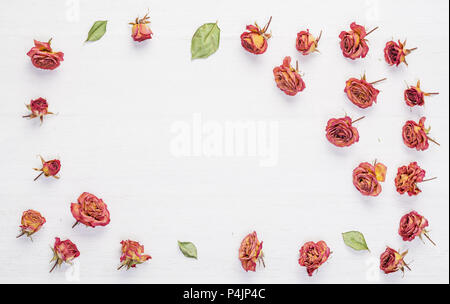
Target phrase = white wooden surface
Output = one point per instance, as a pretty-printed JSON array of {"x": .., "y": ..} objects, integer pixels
[{"x": 118, "y": 100}]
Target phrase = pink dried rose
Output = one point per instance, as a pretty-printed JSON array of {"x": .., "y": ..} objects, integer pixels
[
  {"x": 313, "y": 255},
  {"x": 354, "y": 43},
  {"x": 408, "y": 177},
  {"x": 414, "y": 96},
  {"x": 250, "y": 252},
  {"x": 306, "y": 43},
  {"x": 132, "y": 254},
  {"x": 395, "y": 53},
  {"x": 366, "y": 178},
  {"x": 140, "y": 30},
  {"x": 287, "y": 78},
  {"x": 415, "y": 135},
  {"x": 63, "y": 251},
  {"x": 392, "y": 261},
  {"x": 31, "y": 222},
  {"x": 340, "y": 131},
  {"x": 49, "y": 168},
  {"x": 360, "y": 92},
  {"x": 90, "y": 211},
  {"x": 38, "y": 108},
  {"x": 255, "y": 40},
  {"x": 43, "y": 57},
  {"x": 413, "y": 224}
]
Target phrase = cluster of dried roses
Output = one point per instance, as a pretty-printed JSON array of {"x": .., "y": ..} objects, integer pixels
[{"x": 92, "y": 211}]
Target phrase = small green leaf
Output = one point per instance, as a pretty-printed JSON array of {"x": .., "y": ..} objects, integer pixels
[
  {"x": 188, "y": 249},
  {"x": 355, "y": 240},
  {"x": 97, "y": 31},
  {"x": 205, "y": 40}
]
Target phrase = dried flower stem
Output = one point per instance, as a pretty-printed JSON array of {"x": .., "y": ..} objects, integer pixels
[
  {"x": 358, "y": 119},
  {"x": 54, "y": 266},
  {"x": 38, "y": 176},
  {"x": 426, "y": 180},
  {"x": 23, "y": 232},
  {"x": 426, "y": 235},
  {"x": 76, "y": 223},
  {"x": 378, "y": 81},
  {"x": 429, "y": 138},
  {"x": 371, "y": 31}
]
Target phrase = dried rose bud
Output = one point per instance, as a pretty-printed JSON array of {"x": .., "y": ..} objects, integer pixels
[
  {"x": 392, "y": 261},
  {"x": 140, "y": 30},
  {"x": 312, "y": 255},
  {"x": 90, "y": 211},
  {"x": 49, "y": 168},
  {"x": 414, "y": 96},
  {"x": 341, "y": 133},
  {"x": 415, "y": 135},
  {"x": 43, "y": 57},
  {"x": 366, "y": 178},
  {"x": 287, "y": 78},
  {"x": 38, "y": 108},
  {"x": 255, "y": 40},
  {"x": 411, "y": 225},
  {"x": 132, "y": 254},
  {"x": 395, "y": 53},
  {"x": 31, "y": 222},
  {"x": 408, "y": 177},
  {"x": 360, "y": 92},
  {"x": 63, "y": 251},
  {"x": 354, "y": 42},
  {"x": 306, "y": 43},
  {"x": 250, "y": 252}
]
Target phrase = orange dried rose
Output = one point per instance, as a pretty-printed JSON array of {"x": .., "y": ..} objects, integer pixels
[
  {"x": 414, "y": 96},
  {"x": 395, "y": 53},
  {"x": 132, "y": 254},
  {"x": 287, "y": 78},
  {"x": 306, "y": 43},
  {"x": 255, "y": 40},
  {"x": 31, "y": 222},
  {"x": 392, "y": 261},
  {"x": 366, "y": 178},
  {"x": 250, "y": 252},
  {"x": 313, "y": 255},
  {"x": 360, "y": 92},
  {"x": 49, "y": 168}
]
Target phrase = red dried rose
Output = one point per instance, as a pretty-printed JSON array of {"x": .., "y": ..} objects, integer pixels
[
  {"x": 413, "y": 224},
  {"x": 49, "y": 168},
  {"x": 312, "y": 255},
  {"x": 132, "y": 254},
  {"x": 255, "y": 40},
  {"x": 90, "y": 211},
  {"x": 341, "y": 133},
  {"x": 408, "y": 177},
  {"x": 354, "y": 42},
  {"x": 250, "y": 252},
  {"x": 366, "y": 178},
  {"x": 392, "y": 261},
  {"x": 287, "y": 78},
  {"x": 140, "y": 30},
  {"x": 360, "y": 92},
  {"x": 63, "y": 251},
  {"x": 31, "y": 222},
  {"x": 306, "y": 43},
  {"x": 414, "y": 96},
  {"x": 43, "y": 57},
  {"x": 38, "y": 108},
  {"x": 395, "y": 53},
  {"x": 415, "y": 135}
]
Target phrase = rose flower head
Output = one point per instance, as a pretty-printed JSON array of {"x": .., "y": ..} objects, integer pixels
[
  {"x": 43, "y": 57},
  {"x": 132, "y": 254},
  {"x": 38, "y": 108},
  {"x": 395, "y": 53},
  {"x": 408, "y": 177},
  {"x": 287, "y": 78},
  {"x": 63, "y": 251},
  {"x": 414, "y": 96},
  {"x": 31, "y": 222},
  {"x": 341, "y": 133},
  {"x": 312, "y": 255},
  {"x": 306, "y": 43},
  {"x": 49, "y": 168},
  {"x": 413, "y": 224},
  {"x": 140, "y": 30},
  {"x": 354, "y": 43},
  {"x": 360, "y": 92},
  {"x": 392, "y": 261},
  {"x": 415, "y": 135},
  {"x": 255, "y": 39},
  {"x": 366, "y": 178},
  {"x": 90, "y": 211},
  {"x": 250, "y": 252}
]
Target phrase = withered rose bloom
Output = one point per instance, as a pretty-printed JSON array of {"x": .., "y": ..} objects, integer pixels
[
  {"x": 306, "y": 43},
  {"x": 360, "y": 92},
  {"x": 312, "y": 255},
  {"x": 408, "y": 177},
  {"x": 63, "y": 251},
  {"x": 287, "y": 78},
  {"x": 90, "y": 211},
  {"x": 38, "y": 108},
  {"x": 132, "y": 254},
  {"x": 366, "y": 178},
  {"x": 255, "y": 40},
  {"x": 414, "y": 96},
  {"x": 31, "y": 222},
  {"x": 411, "y": 225},
  {"x": 415, "y": 135},
  {"x": 353, "y": 43},
  {"x": 49, "y": 168},
  {"x": 395, "y": 53},
  {"x": 392, "y": 261},
  {"x": 43, "y": 57},
  {"x": 140, "y": 30},
  {"x": 341, "y": 133},
  {"x": 250, "y": 252}
]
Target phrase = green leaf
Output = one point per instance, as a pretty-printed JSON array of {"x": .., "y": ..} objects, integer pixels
[
  {"x": 188, "y": 249},
  {"x": 205, "y": 40},
  {"x": 355, "y": 240},
  {"x": 97, "y": 31}
]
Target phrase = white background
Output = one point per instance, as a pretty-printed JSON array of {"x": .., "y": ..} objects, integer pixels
[{"x": 117, "y": 101}]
